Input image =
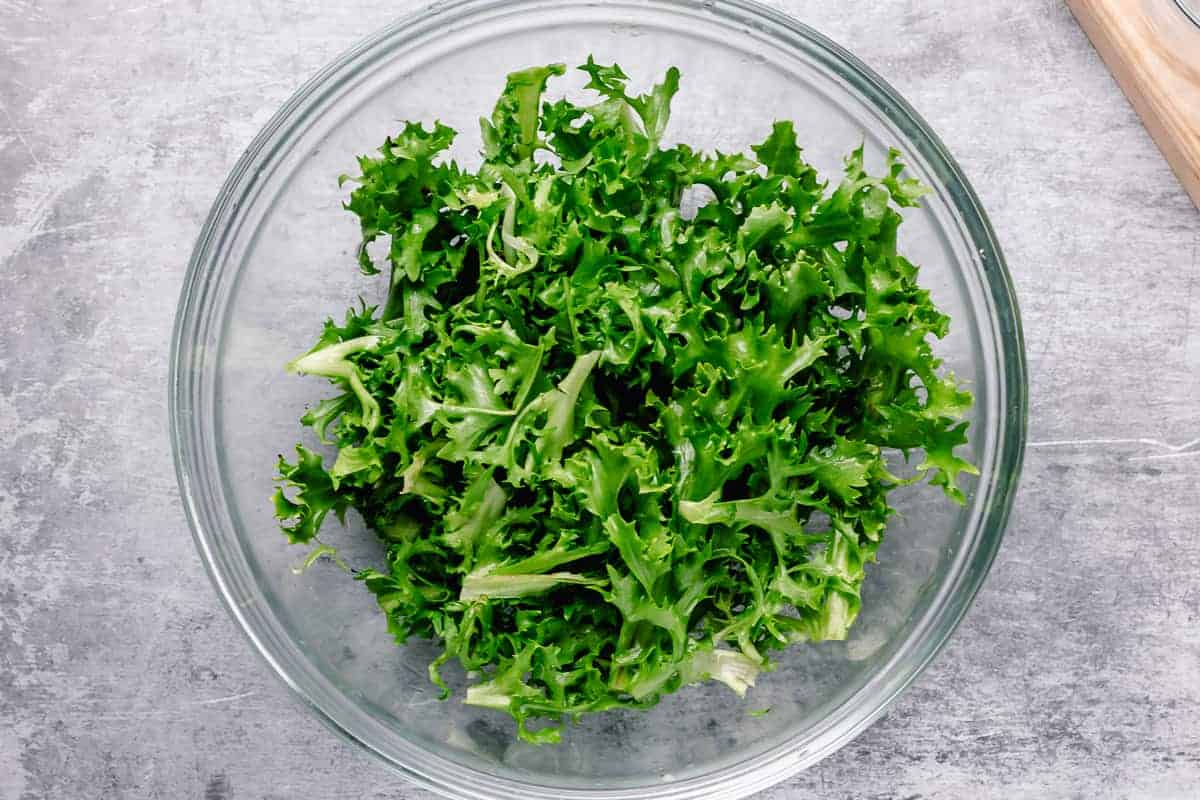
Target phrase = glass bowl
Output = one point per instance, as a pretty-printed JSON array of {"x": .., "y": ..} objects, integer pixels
[{"x": 276, "y": 257}]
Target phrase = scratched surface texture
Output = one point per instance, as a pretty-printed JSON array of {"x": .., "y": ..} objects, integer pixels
[{"x": 1077, "y": 673}]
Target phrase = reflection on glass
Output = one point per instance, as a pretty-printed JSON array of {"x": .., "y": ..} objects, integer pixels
[{"x": 1191, "y": 8}]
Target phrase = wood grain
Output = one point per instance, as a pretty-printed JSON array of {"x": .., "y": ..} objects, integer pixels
[{"x": 1153, "y": 50}]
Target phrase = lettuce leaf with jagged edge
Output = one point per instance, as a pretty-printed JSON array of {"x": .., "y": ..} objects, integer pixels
[{"x": 615, "y": 446}]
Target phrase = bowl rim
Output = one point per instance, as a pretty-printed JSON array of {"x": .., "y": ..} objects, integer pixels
[{"x": 755, "y": 772}]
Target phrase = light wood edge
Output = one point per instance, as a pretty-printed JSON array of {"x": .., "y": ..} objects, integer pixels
[{"x": 1108, "y": 24}]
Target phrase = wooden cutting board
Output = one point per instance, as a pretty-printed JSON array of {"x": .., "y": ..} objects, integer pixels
[{"x": 1153, "y": 50}]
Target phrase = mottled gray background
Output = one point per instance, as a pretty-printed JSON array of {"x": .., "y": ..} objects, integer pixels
[{"x": 1077, "y": 673}]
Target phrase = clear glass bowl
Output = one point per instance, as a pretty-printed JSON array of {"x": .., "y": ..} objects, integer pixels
[{"x": 276, "y": 257}]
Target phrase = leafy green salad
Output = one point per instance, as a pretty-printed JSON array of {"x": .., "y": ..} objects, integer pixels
[{"x": 622, "y": 419}]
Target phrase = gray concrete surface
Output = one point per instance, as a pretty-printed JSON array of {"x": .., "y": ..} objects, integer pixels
[{"x": 1077, "y": 673}]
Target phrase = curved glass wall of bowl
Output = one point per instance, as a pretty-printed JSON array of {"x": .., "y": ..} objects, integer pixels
[{"x": 1191, "y": 9}]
